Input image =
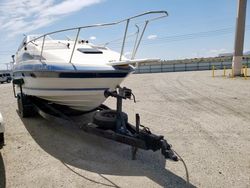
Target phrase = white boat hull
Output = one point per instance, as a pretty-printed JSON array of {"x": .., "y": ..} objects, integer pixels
[{"x": 78, "y": 93}]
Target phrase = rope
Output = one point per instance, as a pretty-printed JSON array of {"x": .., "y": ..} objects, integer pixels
[{"x": 184, "y": 164}]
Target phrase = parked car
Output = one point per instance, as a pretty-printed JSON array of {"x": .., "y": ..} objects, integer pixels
[
  {"x": 1, "y": 131},
  {"x": 5, "y": 77}
]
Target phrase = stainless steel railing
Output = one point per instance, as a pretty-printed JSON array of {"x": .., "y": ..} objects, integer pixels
[{"x": 162, "y": 14}]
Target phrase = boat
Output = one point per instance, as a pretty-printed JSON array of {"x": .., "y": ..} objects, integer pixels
[{"x": 74, "y": 72}]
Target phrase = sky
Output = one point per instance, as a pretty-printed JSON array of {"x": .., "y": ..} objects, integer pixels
[{"x": 194, "y": 28}]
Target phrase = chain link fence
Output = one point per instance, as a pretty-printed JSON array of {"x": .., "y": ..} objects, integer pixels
[{"x": 180, "y": 67}]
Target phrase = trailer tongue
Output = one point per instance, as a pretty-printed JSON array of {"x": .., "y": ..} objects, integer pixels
[{"x": 107, "y": 123}]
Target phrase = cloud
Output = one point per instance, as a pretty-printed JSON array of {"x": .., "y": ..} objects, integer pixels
[
  {"x": 92, "y": 38},
  {"x": 23, "y": 16},
  {"x": 217, "y": 51},
  {"x": 152, "y": 37},
  {"x": 68, "y": 6}
]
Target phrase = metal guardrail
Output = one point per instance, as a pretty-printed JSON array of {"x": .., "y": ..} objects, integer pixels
[
  {"x": 181, "y": 67},
  {"x": 127, "y": 21}
]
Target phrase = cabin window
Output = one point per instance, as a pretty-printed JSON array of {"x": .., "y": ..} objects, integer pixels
[
  {"x": 89, "y": 51},
  {"x": 27, "y": 56}
]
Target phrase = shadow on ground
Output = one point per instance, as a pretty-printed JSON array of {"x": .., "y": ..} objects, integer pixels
[
  {"x": 2, "y": 173},
  {"x": 78, "y": 149}
]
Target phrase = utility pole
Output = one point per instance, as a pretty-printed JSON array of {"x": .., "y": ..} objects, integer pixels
[{"x": 239, "y": 37}]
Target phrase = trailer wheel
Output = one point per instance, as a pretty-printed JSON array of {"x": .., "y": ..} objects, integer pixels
[
  {"x": 1, "y": 140},
  {"x": 107, "y": 118},
  {"x": 25, "y": 107}
]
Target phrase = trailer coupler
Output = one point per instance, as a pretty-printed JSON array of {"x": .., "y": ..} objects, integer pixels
[
  {"x": 154, "y": 142},
  {"x": 167, "y": 151}
]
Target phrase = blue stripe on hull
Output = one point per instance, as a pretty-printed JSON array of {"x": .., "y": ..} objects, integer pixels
[
  {"x": 92, "y": 75},
  {"x": 68, "y": 89},
  {"x": 69, "y": 67},
  {"x": 71, "y": 74},
  {"x": 62, "y": 67}
]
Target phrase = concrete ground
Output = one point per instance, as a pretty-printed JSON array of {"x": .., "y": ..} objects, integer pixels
[{"x": 207, "y": 120}]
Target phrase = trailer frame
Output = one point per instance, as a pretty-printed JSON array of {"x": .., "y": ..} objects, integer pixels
[{"x": 137, "y": 136}]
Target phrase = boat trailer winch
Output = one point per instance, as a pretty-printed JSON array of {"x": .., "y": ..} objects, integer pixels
[{"x": 107, "y": 123}]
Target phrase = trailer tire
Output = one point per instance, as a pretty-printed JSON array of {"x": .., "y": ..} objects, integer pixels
[
  {"x": 107, "y": 118},
  {"x": 25, "y": 107},
  {"x": 1, "y": 140}
]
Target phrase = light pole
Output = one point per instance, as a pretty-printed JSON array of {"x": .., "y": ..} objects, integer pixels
[{"x": 239, "y": 37}]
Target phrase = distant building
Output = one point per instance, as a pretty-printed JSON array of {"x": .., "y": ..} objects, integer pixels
[
  {"x": 231, "y": 54},
  {"x": 225, "y": 55}
]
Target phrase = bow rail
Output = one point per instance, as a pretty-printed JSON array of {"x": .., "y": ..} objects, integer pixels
[{"x": 162, "y": 14}]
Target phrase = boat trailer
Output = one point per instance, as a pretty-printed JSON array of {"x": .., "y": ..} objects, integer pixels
[{"x": 106, "y": 123}]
